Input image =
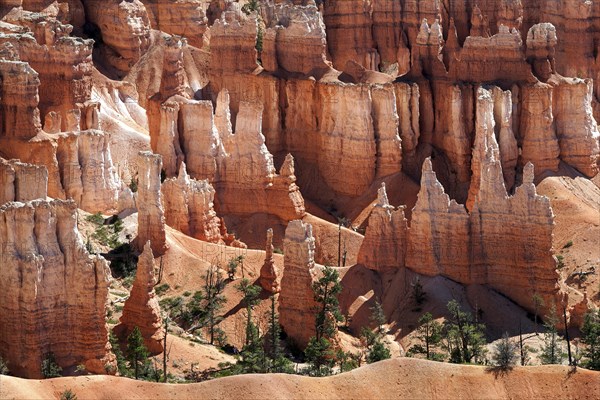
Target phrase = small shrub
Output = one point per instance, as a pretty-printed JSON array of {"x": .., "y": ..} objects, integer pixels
[
  {"x": 561, "y": 261},
  {"x": 128, "y": 282},
  {"x": 97, "y": 218},
  {"x": 568, "y": 244},
  {"x": 277, "y": 250},
  {"x": 133, "y": 185},
  {"x": 50, "y": 368},
  {"x": 68, "y": 395},
  {"x": 118, "y": 308},
  {"x": 3, "y": 367},
  {"x": 505, "y": 354},
  {"x": 161, "y": 289},
  {"x": 187, "y": 293}
]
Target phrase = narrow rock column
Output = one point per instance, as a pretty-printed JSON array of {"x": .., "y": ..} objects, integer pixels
[
  {"x": 151, "y": 217},
  {"x": 296, "y": 300},
  {"x": 269, "y": 274},
  {"x": 141, "y": 308}
]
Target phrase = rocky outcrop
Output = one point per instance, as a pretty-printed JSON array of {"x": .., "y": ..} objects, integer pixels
[
  {"x": 141, "y": 309},
  {"x": 63, "y": 62},
  {"x": 238, "y": 165},
  {"x": 188, "y": 207},
  {"x": 22, "y": 182},
  {"x": 124, "y": 28},
  {"x": 576, "y": 128},
  {"x": 233, "y": 43},
  {"x": 296, "y": 299},
  {"x": 438, "y": 241},
  {"x": 52, "y": 291},
  {"x": 349, "y": 33},
  {"x": 183, "y": 18},
  {"x": 151, "y": 216},
  {"x": 537, "y": 129},
  {"x": 270, "y": 277},
  {"x": 298, "y": 39},
  {"x": 504, "y": 242},
  {"x": 384, "y": 247},
  {"x": 19, "y": 100}
]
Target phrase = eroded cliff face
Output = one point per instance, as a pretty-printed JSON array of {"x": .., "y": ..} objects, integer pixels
[
  {"x": 188, "y": 206},
  {"x": 53, "y": 292},
  {"x": 296, "y": 299},
  {"x": 504, "y": 242},
  {"x": 124, "y": 29},
  {"x": 141, "y": 309},
  {"x": 22, "y": 182}
]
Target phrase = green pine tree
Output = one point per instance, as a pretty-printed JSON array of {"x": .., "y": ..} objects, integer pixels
[
  {"x": 429, "y": 333},
  {"x": 591, "y": 339},
  {"x": 465, "y": 338},
  {"x": 320, "y": 352},
  {"x": 552, "y": 352},
  {"x": 136, "y": 351}
]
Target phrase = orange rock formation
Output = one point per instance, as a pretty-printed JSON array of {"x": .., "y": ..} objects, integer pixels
[
  {"x": 53, "y": 292},
  {"x": 141, "y": 308}
]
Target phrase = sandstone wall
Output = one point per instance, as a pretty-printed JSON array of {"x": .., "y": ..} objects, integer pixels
[
  {"x": 188, "y": 206},
  {"x": 22, "y": 182},
  {"x": 53, "y": 293}
]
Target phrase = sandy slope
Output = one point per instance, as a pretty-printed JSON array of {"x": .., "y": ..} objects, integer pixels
[{"x": 398, "y": 378}]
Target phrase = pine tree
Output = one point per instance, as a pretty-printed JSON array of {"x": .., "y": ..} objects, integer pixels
[
  {"x": 50, "y": 369},
  {"x": 551, "y": 350},
  {"x": 277, "y": 360},
  {"x": 252, "y": 356},
  {"x": 116, "y": 349},
  {"x": 373, "y": 340},
  {"x": 591, "y": 339},
  {"x": 505, "y": 353},
  {"x": 429, "y": 334},
  {"x": 214, "y": 285},
  {"x": 320, "y": 352},
  {"x": 136, "y": 351},
  {"x": 464, "y": 337}
]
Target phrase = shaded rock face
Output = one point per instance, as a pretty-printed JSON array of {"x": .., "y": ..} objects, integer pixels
[
  {"x": 141, "y": 309},
  {"x": 53, "y": 293},
  {"x": 296, "y": 299},
  {"x": 151, "y": 216},
  {"x": 22, "y": 182},
  {"x": 188, "y": 206}
]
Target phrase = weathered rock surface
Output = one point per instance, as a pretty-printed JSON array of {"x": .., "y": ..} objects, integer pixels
[
  {"x": 125, "y": 30},
  {"x": 141, "y": 309},
  {"x": 188, "y": 207},
  {"x": 183, "y": 18},
  {"x": 296, "y": 299},
  {"x": 151, "y": 216},
  {"x": 385, "y": 243},
  {"x": 22, "y": 182},
  {"x": 52, "y": 292}
]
